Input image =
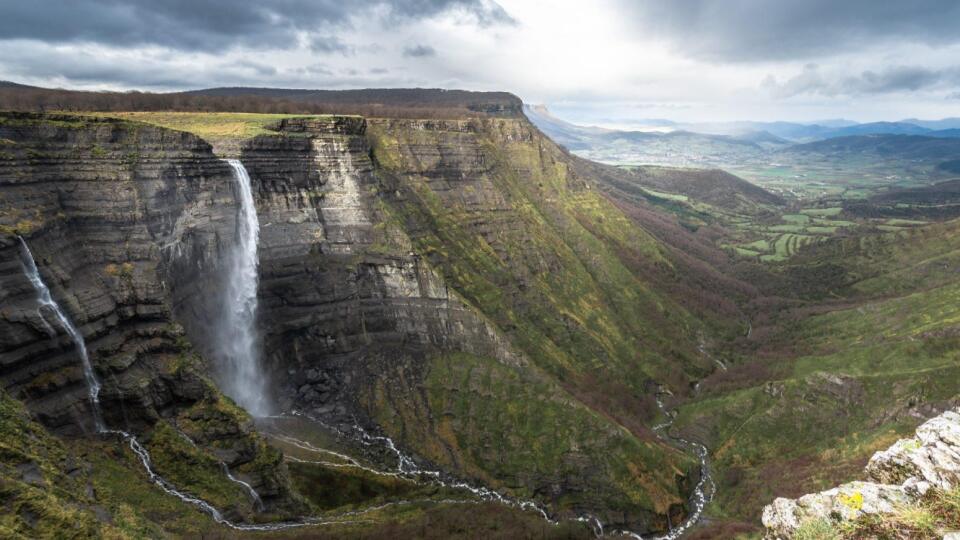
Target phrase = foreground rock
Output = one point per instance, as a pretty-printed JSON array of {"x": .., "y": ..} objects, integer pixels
[{"x": 898, "y": 476}]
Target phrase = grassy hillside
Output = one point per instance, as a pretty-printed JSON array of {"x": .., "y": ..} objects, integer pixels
[
  {"x": 837, "y": 380},
  {"x": 545, "y": 256},
  {"x": 575, "y": 285}
]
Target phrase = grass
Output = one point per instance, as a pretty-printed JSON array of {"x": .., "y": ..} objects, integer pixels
[
  {"x": 212, "y": 126},
  {"x": 817, "y": 529},
  {"x": 823, "y": 212},
  {"x": 837, "y": 386},
  {"x": 758, "y": 245},
  {"x": 667, "y": 196},
  {"x": 905, "y": 222},
  {"x": 504, "y": 427},
  {"x": 935, "y": 514},
  {"x": 802, "y": 219},
  {"x": 558, "y": 270}
]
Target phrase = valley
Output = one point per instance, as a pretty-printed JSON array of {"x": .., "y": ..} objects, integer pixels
[{"x": 444, "y": 324}]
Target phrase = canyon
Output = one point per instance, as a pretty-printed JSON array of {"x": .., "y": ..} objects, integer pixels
[
  {"x": 412, "y": 280},
  {"x": 432, "y": 322}
]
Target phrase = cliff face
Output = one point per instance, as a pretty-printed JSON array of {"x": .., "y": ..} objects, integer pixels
[
  {"x": 502, "y": 215},
  {"x": 358, "y": 320},
  {"x": 338, "y": 280},
  {"x": 457, "y": 285},
  {"x": 125, "y": 221},
  {"x": 106, "y": 207}
]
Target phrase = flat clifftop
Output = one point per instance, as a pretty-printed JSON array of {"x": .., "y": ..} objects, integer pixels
[
  {"x": 227, "y": 131},
  {"x": 392, "y": 102}
]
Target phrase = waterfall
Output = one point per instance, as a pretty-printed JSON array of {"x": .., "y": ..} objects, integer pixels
[
  {"x": 235, "y": 335},
  {"x": 46, "y": 303}
]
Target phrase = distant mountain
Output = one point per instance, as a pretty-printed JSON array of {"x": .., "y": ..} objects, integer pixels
[
  {"x": 835, "y": 123},
  {"x": 877, "y": 128},
  {"x": 885, "y": 146},
  {"x": 950, "y": 167},
  {"x": 572, "y": 136},
  {"x": 679, "y": 147},
  {"x": 11, "y": 84},
  {"x": 763, "y": 138},
  {"x": 951, "y": 133},
  {"x": 945, "y": 123},
  {"x": 711, "y": 186},
  {"x": 751, "y": 142}
]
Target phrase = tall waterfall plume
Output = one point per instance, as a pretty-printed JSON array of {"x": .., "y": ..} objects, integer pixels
[
  {"x": 237, "y": 341},
  {"x": 49, "y": 305}
]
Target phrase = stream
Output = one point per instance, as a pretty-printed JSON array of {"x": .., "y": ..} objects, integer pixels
[
  {"x": 705, "y": 489},
  {"x": 405, "y": 465}
]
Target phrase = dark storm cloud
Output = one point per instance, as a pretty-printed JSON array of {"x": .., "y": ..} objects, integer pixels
[
  {"x": 419, "y": 51},
  {"x": 30, "y": 61},
  {"x": 330, "y": 44},
  {"x": 756, "y": 30},
  {"x": 813, "y": 81},
  {"x": 208, "y": 25}
]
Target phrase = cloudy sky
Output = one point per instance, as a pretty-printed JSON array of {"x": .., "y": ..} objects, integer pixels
[{"x": 603, "y": 61}]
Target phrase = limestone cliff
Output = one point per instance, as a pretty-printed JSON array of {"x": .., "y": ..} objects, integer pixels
[
  {"x": 457, "y": 285},
  {"x": 125, "y": 221}
]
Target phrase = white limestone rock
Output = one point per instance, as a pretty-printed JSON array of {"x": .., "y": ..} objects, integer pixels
[
  {"x": 847, "y": 502},
  {"x": 899, "y": 475},
  {"x": 933, "y": 455}
]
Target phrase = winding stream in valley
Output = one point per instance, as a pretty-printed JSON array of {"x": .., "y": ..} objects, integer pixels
[{"x": 705, "y": 489}]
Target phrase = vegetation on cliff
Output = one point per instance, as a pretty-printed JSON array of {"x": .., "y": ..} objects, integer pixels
[{"x": 587, "y": 290}]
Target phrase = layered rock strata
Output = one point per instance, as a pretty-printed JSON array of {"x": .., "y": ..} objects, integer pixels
[{"x": 126, "y": 222}]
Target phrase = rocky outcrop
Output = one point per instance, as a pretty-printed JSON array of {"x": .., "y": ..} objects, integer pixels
[
  {"x": 930, "y": 459},
  {"x": 898, "y": 476}
]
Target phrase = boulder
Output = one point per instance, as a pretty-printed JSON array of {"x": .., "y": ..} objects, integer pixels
[
  {"x": 847, "y": 502},
  {"x": 898, "y": 476},
  {"x": 933, "y": 455}
]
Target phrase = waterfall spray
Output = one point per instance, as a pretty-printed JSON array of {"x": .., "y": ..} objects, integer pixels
[{"x": 235, "y": 335}]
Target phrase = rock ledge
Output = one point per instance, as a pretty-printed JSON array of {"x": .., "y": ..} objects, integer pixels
[{"x": 896, "y": 476}]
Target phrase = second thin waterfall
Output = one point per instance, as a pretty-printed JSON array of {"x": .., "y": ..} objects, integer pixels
[{"x": 237, "y": 341}]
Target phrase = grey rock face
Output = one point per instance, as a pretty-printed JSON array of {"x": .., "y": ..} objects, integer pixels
[
  {"x": 900, "y": 475},
  {"x": 847, "y": 502},
  {"x": 124, "y": 221},
  {"x": 341, "y": 290},
  {"x": 932, "y": 456}
]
